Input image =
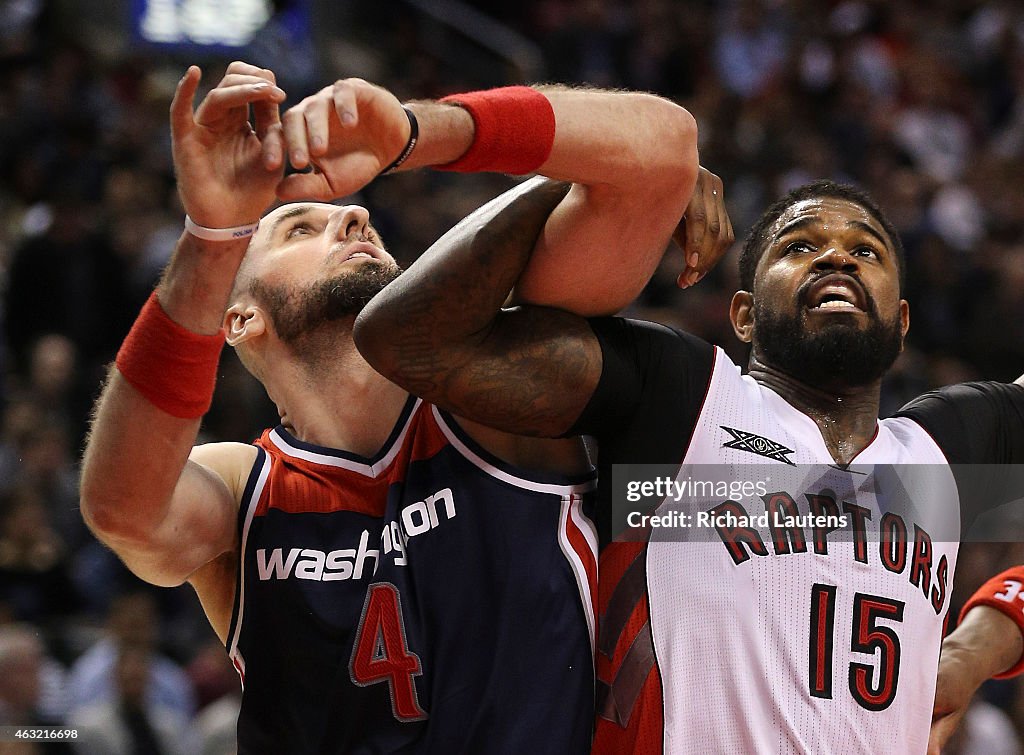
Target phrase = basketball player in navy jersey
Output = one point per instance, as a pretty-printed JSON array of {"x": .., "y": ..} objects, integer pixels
[
  {"x": 385, "y": 577},
  {"x": 785, "y": 637}
]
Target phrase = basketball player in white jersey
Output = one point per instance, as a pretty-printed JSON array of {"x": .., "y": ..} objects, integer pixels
[
  {"x": 815, "y": 629},
  {"x": 284, "y": 292}
]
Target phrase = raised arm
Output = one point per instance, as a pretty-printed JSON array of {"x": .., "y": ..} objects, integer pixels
[
  {"x": 440, "y": 332},
  {"x": 987, "y": 643},
  {"x": 631, "y": 157},
  {"x": 165, "y": 515}
]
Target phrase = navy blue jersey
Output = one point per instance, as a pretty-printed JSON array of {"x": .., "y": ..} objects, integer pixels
[{"x": 431, "y": 599}]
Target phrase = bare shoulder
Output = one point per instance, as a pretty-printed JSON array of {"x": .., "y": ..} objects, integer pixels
[
  {"x": 214, "y": 584},
  {"x": 214, "y": 581},
  {"x": 232, "y": 462}
]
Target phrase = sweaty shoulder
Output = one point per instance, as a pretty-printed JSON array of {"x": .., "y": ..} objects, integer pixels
[
  {"x": 973, "y": 423},
  {"x": 653, "y": 382}
]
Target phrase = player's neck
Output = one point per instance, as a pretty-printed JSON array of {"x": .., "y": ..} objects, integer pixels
[
  {"x": 338, "y": 401},
  {"x": 846, "y": 416}
]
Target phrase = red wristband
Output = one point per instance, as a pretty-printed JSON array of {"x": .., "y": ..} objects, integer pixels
[
  {"x": 515, "y": 130},
  {"x": 1005, "y": 593},
  {"x": 174, "y": 368}
]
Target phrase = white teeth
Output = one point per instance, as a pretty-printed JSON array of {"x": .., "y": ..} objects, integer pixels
[{"x": 836, "y": 304}]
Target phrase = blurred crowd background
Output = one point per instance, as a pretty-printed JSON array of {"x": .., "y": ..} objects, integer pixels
[{"x": 921, "y": 102}]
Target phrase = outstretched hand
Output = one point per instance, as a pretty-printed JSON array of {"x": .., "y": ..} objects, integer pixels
[
  {"x": 954, "y": 689},
  {"x": 987, "y": 642},
  {"x": 228, "y": 169},
  {"x": 346, "y": 134},
  {"x": 705, "y": 231}
]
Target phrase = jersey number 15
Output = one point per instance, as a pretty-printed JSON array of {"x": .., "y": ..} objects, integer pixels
[{"x": 867, "y": 637}]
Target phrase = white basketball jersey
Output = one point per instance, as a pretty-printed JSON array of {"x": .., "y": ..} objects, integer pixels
[{"x": 804, "y": 637}]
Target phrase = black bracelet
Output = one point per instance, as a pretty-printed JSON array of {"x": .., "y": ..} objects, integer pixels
[{"x": 414, "y": 135}]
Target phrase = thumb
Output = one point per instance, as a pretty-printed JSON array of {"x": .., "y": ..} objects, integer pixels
[
  {"x": 942, "y": 729},
  {"x": 181, "y": 105}
]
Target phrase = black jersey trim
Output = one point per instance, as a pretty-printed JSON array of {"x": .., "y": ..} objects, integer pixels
[
  {"x": 333, "y": 457},
  {"x": 536, "y": 480},
  {"x": 715, "y": 354}
]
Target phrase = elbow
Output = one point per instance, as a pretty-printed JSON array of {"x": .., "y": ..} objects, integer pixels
[
  {"x": 104, "y": 518},
  {"x": 682, "y": 162},
  {"x": 370, "y": 335},
  {"x": 109, "y": 516},
  {"x": 97, "y": 516},
  {"x": 663, "y": 166}
]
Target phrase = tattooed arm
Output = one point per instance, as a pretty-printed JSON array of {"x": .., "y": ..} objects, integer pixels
[
  {"x": 440, "y": 332},
  {"x": 632, "y": 158}
]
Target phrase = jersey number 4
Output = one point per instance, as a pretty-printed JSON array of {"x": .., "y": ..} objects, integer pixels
[
  {"x": 868, "y": 637},
  {"x": 381, "y": 653}
]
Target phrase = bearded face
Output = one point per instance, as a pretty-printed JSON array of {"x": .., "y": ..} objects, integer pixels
[
  {"x": 300, "y": 313},
  {"x": 841, "y": 351}
]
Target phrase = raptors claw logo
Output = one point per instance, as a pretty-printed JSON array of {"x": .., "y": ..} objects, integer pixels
[{"x": 755, "y": 444}]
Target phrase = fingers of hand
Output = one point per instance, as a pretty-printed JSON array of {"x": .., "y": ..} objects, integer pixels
[
  {"x": 317, "y": 116},
  {"x": 723, "y": 225},
  {"x": 304, "y": 186},
  {"x": 181, "y": 105},
  {"x": 241, "y": 67},
  {"x": 294, "y": 123},
  {"x": 708, "y": 229},
  {"x": 942, "y": 729},
  {"x": 689, "y": 277},
  {"x": 273, "y": 147},
  {"x": 236, "y": 94},
  {"x": 343, "y": 94}
]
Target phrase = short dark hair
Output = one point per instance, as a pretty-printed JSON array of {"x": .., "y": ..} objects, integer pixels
[{"x": 757, "y": 240}]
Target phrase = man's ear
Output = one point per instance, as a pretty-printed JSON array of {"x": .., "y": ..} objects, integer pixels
[
  {"x": 904, "y": 321},
  {"x": 242, "y": 322},
  {"x": 741, "y": 315}
]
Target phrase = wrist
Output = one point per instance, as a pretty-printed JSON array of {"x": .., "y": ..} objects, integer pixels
[
  {"x": 445, "y": 134},
  {"x": 171, "y": 366},
  {"x": 514, "y": 131},
  {"x": 989, "y": 640},
  {"x": 197, "y": 283},
  {"x": 221, "y": 233},
  {"x": 1001, "y": 624}
]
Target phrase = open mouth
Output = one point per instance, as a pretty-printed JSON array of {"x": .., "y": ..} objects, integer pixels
[
  {"x": 836, "y": 293},
  {"x": 357, "y": 250}
]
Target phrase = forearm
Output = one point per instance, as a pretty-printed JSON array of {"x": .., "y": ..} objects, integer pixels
[
  {"x": 136, "y": 451},
  {"x": 133, "y": 459},
  {"x": 196, "y": 285},
  {"x": 626, "y": 140},
  {"x": 615, "y": 139},
  {"x": 439, "y": 330},
  {"x": 632, "y": 159},
  {"x": 476, "y": 264},
  {"x": 988, "y": 641}
]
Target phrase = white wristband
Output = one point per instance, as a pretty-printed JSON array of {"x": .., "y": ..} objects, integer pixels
[{"x": 220, "y": 234}]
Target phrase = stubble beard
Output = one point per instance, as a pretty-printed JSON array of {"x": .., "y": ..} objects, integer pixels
[{"x": 308, "y": 320}]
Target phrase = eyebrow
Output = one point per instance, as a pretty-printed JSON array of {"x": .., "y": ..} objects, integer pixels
[
  {"x": 801, "y": 223},
  {"x": 292, "y": 213}
]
